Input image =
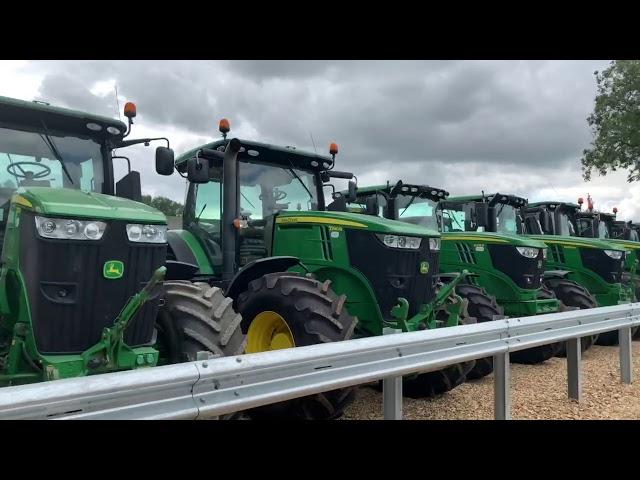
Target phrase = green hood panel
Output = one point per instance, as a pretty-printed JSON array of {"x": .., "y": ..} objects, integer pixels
[
  {"x": 629, "y": 244},
  {"x": 491, "y": 237},
  {"x": 356, "y": 220},
  {"x": 68, "y": 202},
  {"x": 578, "y": 242}
]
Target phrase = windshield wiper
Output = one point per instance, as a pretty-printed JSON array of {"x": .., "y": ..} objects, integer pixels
[
  {"x": 300, "y": 180},
  {"x": 408, "y": 205},
  {"x": 54, "y": 150}
]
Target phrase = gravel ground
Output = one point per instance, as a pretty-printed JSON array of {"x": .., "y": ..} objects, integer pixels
[{"x": 537, "y": 392}]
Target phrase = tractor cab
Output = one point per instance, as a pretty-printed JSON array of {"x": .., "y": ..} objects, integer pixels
[
  {"x": 415, "y": 204},
  {"x": 245, "y": 190},
  {"x": 626, "y": 230},
  {"x": 551, "y": 218},
  {"x": 498, "y": 213}
]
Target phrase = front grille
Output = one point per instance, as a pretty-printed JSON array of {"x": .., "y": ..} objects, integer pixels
[
  {"x": 557, "y": 253},
  {"x": 393, "y": 272},
  {"x": 73, "y": 322},
  {"x": 525, "y": 272},
  {"x": 466, "y": 254},
  {"x": 600, "y": 263}
]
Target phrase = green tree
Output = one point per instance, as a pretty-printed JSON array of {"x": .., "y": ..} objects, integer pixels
[
  {"x": 164, "y": 204},
  {"x": 615, "y": 122}
]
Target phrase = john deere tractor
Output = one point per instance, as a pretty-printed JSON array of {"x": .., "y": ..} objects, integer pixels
[
  {"x": 477, "y": 238},
  {"x": 83, "y": 262},
  {"x": 299, "y": 271},
  {"x": 597, "y": 265},
  {"x": 594, "y": 224}
]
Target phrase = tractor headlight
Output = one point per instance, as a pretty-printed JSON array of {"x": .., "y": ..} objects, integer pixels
[
  {"x": 434, "y": 244},
  {"x": 544, "y": 253},
  {"x": 147, "y": 233},
  {"x": 70, "y": 228},
  {"x": 528, "y": 252},
  {"x": 400, "y": 241},
  {"x": 615, "y": 254}
]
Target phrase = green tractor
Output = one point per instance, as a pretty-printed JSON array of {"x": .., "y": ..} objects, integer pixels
[
  {"x": 594, "y": 224},
  {"x": 301, "y": 272},
  {"x": 82, "y": 287},
  {"x": 474, "y": 237},
  {"x": 595, "y": 264}
]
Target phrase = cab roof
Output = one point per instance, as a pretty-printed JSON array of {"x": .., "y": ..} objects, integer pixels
[
  {"x": 552, "y": 204},
  {"x": 19, "y": 114},
  {"x": 410, "y": 188},
  {"x": 509, "y": 199},
  {"x": 265, "y": 153}
]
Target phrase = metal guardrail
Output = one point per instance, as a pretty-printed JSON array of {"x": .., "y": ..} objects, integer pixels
[{"x": 209, "y": 388}]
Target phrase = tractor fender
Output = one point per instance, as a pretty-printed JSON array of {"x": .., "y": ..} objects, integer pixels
[
  {"x": 257, "y": 269},
  {"x": 556, "y": 273}
]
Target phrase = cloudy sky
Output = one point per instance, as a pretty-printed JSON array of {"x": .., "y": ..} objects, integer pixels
[{"x": 512, "y": 126}]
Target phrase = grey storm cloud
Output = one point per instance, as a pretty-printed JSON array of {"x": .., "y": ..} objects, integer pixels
[{"x": 432, "y": 120}]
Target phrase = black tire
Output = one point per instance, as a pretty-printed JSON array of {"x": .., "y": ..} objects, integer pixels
[
  {"x": 572, "y": 294},
  {"x": 314, "y": 314},
  {"x": 430, "y": 384},
  {"x": 541, "y": 353},
  {"x": 484, "y": 308},
  {"x": 196, "y": 317},
  {"x": 635, "y": 332}
]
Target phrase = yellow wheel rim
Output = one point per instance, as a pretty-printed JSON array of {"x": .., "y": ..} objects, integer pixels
[{"x": 268, "y": 331}]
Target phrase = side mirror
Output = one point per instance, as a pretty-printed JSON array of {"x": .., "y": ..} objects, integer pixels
[
  {"x": 482, "y": 214},
  {"x": 353, "y": 192},
  {"x": 198, "y": 170},
  {"x": 372, "y": 206},
  {"x": 164, "y": 161}
]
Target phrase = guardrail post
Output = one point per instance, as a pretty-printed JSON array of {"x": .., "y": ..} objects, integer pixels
[
  {"x": 501, "y": 387},
  {"x": 392, "y": 390},
  {"x": 574, "y": 368},
  {"x": 624, "y": 334}
]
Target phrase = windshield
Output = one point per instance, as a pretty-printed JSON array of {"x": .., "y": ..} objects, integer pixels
[
  {"x": 459, "y": 218},
  {"x": 417, "y": 210},
  {"x": 565, "y": 225},
  {"x": 506, "y": 217},
  {"x": 603, "y": 230},
  {"x": 30, "y": 159},
  {"x": 633, "y": 236},
  {"x": 264, "y": 190}
]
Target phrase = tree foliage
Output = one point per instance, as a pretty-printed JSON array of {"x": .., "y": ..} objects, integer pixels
[
  {"x": 615, "y": 122},
  {"x": 164, "y": 204}
]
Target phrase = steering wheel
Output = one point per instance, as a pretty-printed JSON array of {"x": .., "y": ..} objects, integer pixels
[
  {"x": 279, "y": 195},
  {"x": 45, "y": 170}
]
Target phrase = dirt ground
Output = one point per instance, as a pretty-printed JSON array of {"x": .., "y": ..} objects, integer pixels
[{"x": 537, "y": 392}]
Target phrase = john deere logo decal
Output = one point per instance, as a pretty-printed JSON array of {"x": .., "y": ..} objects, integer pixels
[
  {"x": 113, "y": 269},
  {"x": 424, "y": 267}
]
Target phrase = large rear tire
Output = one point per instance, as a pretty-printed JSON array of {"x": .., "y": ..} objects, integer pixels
[
  {"x": 484, "y": 308},
  {"x": 285, "y": 310},
  {"x": 430, "y": 384},
  {"x": 539, "y": 354},
  {"x": 196, "y": 317},
  {"x": 573, "y": 294}
]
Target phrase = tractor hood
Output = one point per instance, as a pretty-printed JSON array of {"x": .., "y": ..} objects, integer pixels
[
  {"x": 491, "y": 237},
  {"x": 66, "y": 202},
  {"x": 356, "y": 220},
  {"x": 629, "y": 244},
  {"x": 578, "y": 242}
]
